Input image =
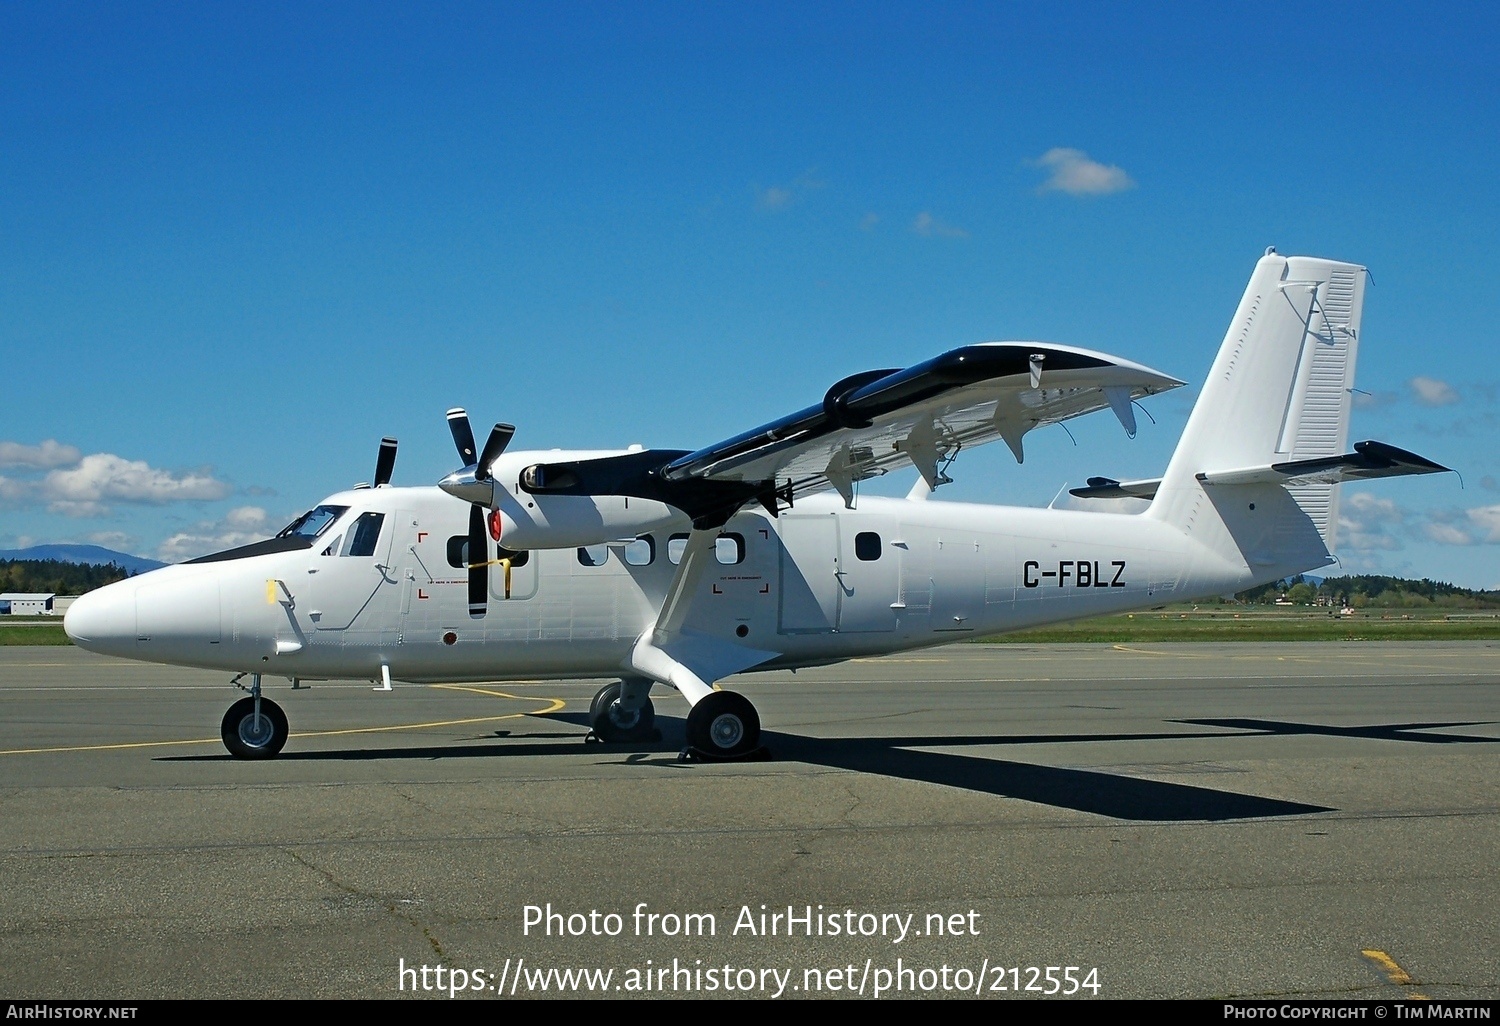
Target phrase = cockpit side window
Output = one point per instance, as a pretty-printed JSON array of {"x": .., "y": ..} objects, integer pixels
[
  {"x": 364, "y": 534},
  {"x": 312, "y": 523}
]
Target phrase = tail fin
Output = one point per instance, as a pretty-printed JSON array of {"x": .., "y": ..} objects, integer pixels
[{"x": 1279, "y": 391}]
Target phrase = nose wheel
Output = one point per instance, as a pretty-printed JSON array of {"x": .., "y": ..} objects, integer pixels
[
  {"x": 620, "y": 714},
  {"x": 254, "y": 727}
]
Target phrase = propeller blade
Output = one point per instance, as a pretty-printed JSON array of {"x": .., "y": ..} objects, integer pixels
[
  {"x": 385, "y": 462},
  {"x": 479, "y": 563},
  {"x": 500, "y": 436},
  {"x": 463, "y": 435}
]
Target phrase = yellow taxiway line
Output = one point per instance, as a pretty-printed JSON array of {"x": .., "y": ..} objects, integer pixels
[
  {"x": 1393, "y": 972},
  {"x": 553, "y": 705}
]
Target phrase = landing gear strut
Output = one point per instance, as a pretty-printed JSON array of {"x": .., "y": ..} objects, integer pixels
[
  {"x": 623, "y": 712},
  {"x": 254, "y": 727},
  {"x": 724, "y": 725}
]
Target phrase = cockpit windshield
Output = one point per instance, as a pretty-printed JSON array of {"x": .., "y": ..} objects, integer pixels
[{"x": 312, "y": 523}]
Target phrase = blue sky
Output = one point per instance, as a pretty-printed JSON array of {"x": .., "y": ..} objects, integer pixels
[{"x": 240, "y": 243}]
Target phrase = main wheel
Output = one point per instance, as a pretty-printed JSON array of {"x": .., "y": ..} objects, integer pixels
[
  {"x": 613, "y": 723},
  {"x": 724, "y": 724},
  {"x": 250, "y": 737}
]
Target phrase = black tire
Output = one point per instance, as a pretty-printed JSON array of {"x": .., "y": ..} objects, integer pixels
[
  {"x": 611, "y": 723},
  {"x": 724, "y": 724},
  {"x": 246, "y": 739}
]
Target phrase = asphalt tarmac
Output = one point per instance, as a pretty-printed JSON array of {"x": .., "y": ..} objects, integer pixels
[{"x": 1292, "y": 820}]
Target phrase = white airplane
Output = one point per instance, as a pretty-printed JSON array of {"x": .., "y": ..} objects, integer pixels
[{"x": 681, "y": 568}]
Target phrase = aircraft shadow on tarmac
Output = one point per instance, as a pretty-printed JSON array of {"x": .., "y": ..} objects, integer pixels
[{"x": 1104, "y": 794}]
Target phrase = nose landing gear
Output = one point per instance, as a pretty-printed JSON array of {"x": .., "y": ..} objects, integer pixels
[
  {"x": 254, "y": 727},
  {"x": 622, "y": 712}
]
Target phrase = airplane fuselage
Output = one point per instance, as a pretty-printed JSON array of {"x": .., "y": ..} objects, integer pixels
[{"x": 818, "y": 584}]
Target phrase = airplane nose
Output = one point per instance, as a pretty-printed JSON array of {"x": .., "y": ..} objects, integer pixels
[{"x": 103, "y": 620}]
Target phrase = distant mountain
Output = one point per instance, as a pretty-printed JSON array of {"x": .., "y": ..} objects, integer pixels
[{"x": 85, "y": 554}]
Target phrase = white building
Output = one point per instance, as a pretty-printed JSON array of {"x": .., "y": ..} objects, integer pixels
[{"x": 26, "y": 603}]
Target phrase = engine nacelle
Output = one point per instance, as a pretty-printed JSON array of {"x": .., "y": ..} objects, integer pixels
[
  {"x": 527, "y": 521},
  {"x": 571, "y": 521}
]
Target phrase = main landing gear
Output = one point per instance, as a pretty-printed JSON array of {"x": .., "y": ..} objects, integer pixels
[
  {"x": 722, "y": 725},
  {"x": 254, "y": 727}
]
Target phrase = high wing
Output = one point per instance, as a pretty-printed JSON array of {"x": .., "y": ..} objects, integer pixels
[{"x": 870, "y": 424}]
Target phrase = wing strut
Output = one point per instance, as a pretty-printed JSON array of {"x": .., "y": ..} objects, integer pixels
[{"x": 672, "y": 653}]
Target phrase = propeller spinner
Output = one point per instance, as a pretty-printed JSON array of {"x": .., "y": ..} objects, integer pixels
[{"x": 473, "y": 483}]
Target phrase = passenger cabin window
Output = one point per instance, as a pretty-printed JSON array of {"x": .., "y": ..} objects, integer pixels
[
  {"x": 867, "y": 546},
  {"x": 364, "y": 534},
  {"x": 729, "y": 548},
  {"x": 516, "y": 558},
  {"x": 593, "y": 555},
  {"x": 641, "y": 552},
  {"x": 458, "y": 553}
]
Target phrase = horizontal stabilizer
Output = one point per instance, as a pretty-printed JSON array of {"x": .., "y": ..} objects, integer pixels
[
  {"x": 1107, "y": 488},
  {"x": 1369, "y": 460}
]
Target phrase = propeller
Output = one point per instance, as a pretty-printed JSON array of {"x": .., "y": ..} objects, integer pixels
[
  {"x": 479, "y": 563},
  {"x": 473, "y": 483},
  {"x": 476, "y": 486},
  {"x": 385, "y": 462}
]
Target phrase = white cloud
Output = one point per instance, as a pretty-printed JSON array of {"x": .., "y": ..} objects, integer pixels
[
  {"x": 1446, "y": 534},
  {"x": 868, "y": 222},
  {"x": 246, "y": 518},
  {"x": 927, "y": 225},
  {"x": 104, "y": 476},
  {"x": 239, "y": 526},
  {"x": 1477, "y": 526},
  {"x": 78, "y": 508},
  {"x": 779, "y": 197},
  {"x": 83, "y": 486},
  {"x": 1071, "y": 171},
  {"x": 1366, "y": 522},
  {"x": 50, "y": 453},
  {"x": 1373, "y": 400},
  {"x": 1486, "y": 521},
  {"x": 118, "y": 540},
  {"x": 12, "y": 491},
  {"x": 1432, "y": 392},
  {"x": 773, "y": 198}
]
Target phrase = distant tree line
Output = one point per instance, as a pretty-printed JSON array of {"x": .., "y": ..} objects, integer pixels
[
  {"x": 57, "y": 576},
  {"x": 1362, "y": 590}
]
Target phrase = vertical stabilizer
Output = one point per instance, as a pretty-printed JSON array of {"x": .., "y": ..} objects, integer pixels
[{"x": 1279, "y": 391}]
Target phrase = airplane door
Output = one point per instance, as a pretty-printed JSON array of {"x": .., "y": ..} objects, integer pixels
[
  {"x": 345, "y": 573},
  {"x": 809, "y": 574},
  {"x": 957, "y": 584},
  {"x": 868, "y": 574}
]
